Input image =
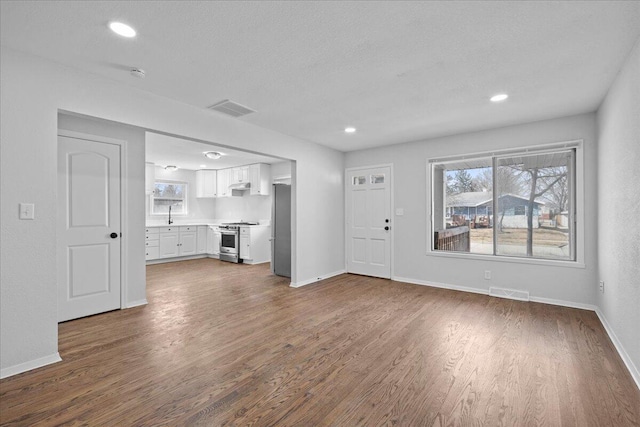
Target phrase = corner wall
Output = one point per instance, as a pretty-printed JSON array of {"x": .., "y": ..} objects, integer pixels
[{"x": 618, "y": 209}]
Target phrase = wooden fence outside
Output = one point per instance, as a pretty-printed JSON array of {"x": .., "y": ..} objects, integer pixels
[{"x": 453, "y": 239}]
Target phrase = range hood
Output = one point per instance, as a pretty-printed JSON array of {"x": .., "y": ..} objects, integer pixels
[{"x": 240, "y": 186}]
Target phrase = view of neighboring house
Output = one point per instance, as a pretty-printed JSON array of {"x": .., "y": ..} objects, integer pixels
[{"x": 477, "y": 207}]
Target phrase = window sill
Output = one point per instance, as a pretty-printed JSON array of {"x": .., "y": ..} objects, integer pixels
[{"x": 514, "y": 260}]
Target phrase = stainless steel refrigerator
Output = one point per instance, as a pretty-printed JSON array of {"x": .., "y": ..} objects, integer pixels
[{"x": 281, "y": 230}]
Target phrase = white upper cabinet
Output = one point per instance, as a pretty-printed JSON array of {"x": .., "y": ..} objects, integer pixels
[
  {"x": 206, "y": 183},
  {"x": 223, "y": 176},
  {"x": 149, "y": 177},
  {"x": 260, "y": 177},
  {"x": 240, "y": 175}
]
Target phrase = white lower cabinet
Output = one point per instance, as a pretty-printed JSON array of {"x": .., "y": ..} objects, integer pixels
[
  {"x": 202, "y": 239},
  {"x": 181, "y": 241},
  {"x": 254, "y": 244},
  {"x": 169, "y": 244},
  {"x": 213, "y": 241},
  {"x": 245, "y": 247}
]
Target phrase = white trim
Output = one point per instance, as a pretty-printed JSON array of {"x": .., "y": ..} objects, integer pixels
[
  {"x": 124, "y": 207},
  {"x": 563, "y": 303},
  {"x": 504, "y": 258},
  {"x": 137, "y": 303},
  {"x": 391, "y": 213},
  {"x": 175, "y": 259},
  {"x": 633, "y": 370},
  {"x": 32, "y": 364},
  {"x": 310, "y": 281},
  {"x": 441, "y": 285}
]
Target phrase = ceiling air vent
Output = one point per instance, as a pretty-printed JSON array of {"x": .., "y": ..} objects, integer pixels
[{"x": 231, "y": 108}]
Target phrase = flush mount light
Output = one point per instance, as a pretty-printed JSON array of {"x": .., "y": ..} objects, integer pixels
[
  {"x": 170, "y": 168},
  {"x": 499, "y": 97},
  {"x": 350, "y": 129},
  {"x": 122, "y": 29},
  {"x": 213, "y": 155},
  {"x": 203, "y": 166}
]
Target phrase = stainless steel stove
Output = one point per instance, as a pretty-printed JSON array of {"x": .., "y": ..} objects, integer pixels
[{"x": 230, "y": 241}]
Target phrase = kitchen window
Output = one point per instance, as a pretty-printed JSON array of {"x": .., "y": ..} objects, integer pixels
[
  {"x": 169, "y": 193},
  {"x": 515, "y": 204}
]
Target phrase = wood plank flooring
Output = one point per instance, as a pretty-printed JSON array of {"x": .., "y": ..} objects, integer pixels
[{"x": 225, "y": 344}]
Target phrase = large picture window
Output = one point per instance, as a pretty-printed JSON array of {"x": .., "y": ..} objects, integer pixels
[
  {"x": 520, "y": 204},
  {"x": 169, "y": 194}
]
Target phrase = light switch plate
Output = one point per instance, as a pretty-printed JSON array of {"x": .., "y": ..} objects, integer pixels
[
  {"x": 27, "y": 211},
  {"x": 399, "y": 212}
]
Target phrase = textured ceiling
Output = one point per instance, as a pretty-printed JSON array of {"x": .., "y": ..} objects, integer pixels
[{"x": 398, "y": 71}]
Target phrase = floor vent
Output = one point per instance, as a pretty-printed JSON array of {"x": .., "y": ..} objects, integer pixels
[
  {"x": 231, "y": 108},
  {"x": 509, "y": 293}
]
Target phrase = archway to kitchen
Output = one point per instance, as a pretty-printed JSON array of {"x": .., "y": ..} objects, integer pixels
[{"x": 205, "y": 200}]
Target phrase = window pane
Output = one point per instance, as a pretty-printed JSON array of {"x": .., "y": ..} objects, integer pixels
[
  {"x": 169, "y": 190},
  {"x": 167, "y": 194},
  {"x": 359, "y": 180},
  {"x": 377, "y": 179},
  {"x": 533, "y": 193},
  {"x": 463, "y": 209},
  {"x": 161, "y": 206}
]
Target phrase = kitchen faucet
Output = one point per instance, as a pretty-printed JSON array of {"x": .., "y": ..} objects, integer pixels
[{"x": 170, "y": 220}]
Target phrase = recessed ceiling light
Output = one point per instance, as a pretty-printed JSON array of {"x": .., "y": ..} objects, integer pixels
[
  {"x": 170, "y": 168},
  {"x": 122, "y": 29},
  {"x": 499, "y": 97},
  {"x": 203, "y": 166},
  {"x": 350, "y": 129},
  {"x": 213, "y": 155}
]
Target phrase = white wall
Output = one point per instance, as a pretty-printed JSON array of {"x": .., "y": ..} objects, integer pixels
[
  {"x": 618, "y": 208},
  {"x": 198, "y": 209},
  {"x": 245, "y": 208},
  {"x": 32, "y": 91},
  {"x": 410, "y": 259}
]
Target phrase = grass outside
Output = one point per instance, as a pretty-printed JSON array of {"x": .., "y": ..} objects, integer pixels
[{"x": 518, "y": 236}]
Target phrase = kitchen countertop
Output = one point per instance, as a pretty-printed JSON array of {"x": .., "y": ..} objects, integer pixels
[{"x": 195, "y": 224}]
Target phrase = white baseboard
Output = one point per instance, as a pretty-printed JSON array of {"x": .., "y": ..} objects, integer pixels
[
  {"x": 310, "y": 281},
  {"x": 563, "y": 303},
  {"x": 137, "y": 303},
  {"x": 175, "y": 259},
  {"x": 633, "y": 370},
  {"x": 441, "y": 285},
  {"x": 32, "y": 364}
]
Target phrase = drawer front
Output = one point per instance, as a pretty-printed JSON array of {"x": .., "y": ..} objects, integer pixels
[
  {"x": 152, "y": 230},
  {"x": 188, "y": 228},
  {"x": 152, "y": 253},
  {"x": 245, "y": 231},
  {"x": 152, "y": 236},
  {"x": 170, "y": 229},
  {"x": 152, "y": 243}
]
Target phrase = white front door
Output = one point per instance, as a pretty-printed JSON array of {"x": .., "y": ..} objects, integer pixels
[
  {"x": 368, "y": 220},
  {"x": 88, "y": 247}
]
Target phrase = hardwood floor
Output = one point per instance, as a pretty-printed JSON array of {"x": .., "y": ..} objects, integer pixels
[{"x": 223, "y": 344}]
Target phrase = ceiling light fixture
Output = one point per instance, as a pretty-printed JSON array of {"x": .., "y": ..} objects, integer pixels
[
  {"x": 170, "y": 168},
  {"x": 203, "y": 166},
  {"x": 499, "y": 97},
  {"x": 350, "y": 129},
  {"x": 122, "y": 29},
  {"x": 213, "y": 155}
]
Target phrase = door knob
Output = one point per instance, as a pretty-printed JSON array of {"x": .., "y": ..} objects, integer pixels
[
  {"x": 386, "y": 228},
  {"x": 386, "y": 220},
  {"x": 113, "y": 235}
]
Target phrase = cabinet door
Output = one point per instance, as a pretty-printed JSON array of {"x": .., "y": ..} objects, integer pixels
[
  {"x": 169, "y": 245},
  {"x": 152, "y": 253},
  {"x": 254, "y": 178},
  {"x": 202, "y": 239},
  {"x": 187, "y": 243},
  {"x": 245, "y": 247},
  {"x": 209, "y": 240},
  {"x": 223, "y": 182},
  {"x": 216, "y": 242}
]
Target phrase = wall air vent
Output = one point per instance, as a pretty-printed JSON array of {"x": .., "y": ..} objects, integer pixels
[
  {"x": 231, "y": 108},
  {"x": 509, "y": 293}
]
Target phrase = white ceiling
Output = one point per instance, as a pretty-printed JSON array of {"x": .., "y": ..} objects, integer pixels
[
  {"x": 397, "y": 71},
  {"x": 166, "y": 150}
]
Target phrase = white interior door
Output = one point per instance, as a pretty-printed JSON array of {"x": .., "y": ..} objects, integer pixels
[
  {"x": 88, "y": 227},
  {"x": 368, "y": 221}
]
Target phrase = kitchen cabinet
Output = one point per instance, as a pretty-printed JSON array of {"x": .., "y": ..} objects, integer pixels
[
  {"x": 254, "y": 244},
  {"x": 206, "y": 183},
  {"x": 260, "y": 178},
  {"x": 213, "y": 241},
  {"x": 152, "y": 243},
  {"x": 202, "y": 239},
  {"x": 240, "y": 174},
  {"x": 169, "y": 244},
  {"x": 223, "y": 181},
  {"x": 177, "y": 241},
  {"x": 187, "y": 241},
  {"x": 149, "y": 177}
]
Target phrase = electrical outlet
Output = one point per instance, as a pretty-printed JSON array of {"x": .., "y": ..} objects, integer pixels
[
  {"x": 487, "y": 275},
  {"x": 602, "y": 286}
]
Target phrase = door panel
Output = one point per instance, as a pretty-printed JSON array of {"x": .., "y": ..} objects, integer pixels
[
  {"x": 88, "y": 212},
  {"x": 368, "y": 214}
]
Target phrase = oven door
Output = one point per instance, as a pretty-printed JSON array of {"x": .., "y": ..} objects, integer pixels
[{"x": 229, "y": 245}]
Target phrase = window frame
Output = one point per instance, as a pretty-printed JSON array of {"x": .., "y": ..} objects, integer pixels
[
  {"x": 576, "y": 215},
  {"x": 185, "y": 198}
]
